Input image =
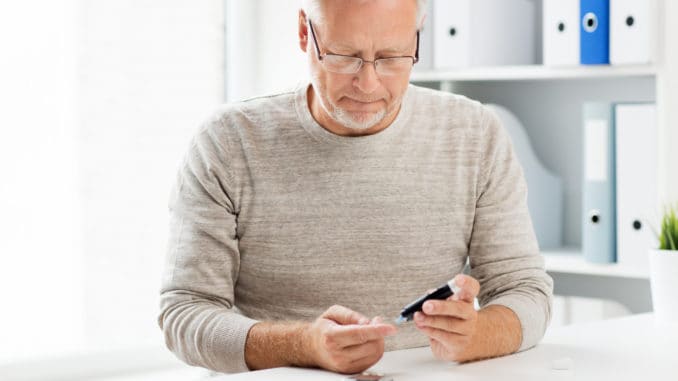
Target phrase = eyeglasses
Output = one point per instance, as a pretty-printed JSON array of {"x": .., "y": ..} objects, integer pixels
[{"x": 342, "y": 64}]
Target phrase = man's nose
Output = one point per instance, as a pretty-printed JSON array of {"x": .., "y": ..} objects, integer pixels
[{"x": 367, "y": 79}]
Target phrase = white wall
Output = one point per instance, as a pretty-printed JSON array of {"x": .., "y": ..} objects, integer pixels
[
  {"x": 40, "y": 253},
  {"x": 150, "y": 71},
  {"x": 99, "y": 101},
  {"x": 263, "y": 49},
  {"x": 282, "y": 63}
]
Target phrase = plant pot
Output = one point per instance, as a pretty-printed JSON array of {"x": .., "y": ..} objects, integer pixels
[{"x": 664, "y": 284}]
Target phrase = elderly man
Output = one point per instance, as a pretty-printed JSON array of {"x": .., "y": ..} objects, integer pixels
[{"x": 301, "y": 220}]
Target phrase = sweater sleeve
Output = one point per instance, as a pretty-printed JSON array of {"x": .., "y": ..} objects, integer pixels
[
  {"x": 199, "y": 321},
  {"x": 503, "y": 251}
]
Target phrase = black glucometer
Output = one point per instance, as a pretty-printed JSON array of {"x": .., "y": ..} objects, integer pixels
[{"x": 441, "y": 293}]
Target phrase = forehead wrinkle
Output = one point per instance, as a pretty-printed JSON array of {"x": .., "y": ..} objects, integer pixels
[{"x": 358, "y": 45}]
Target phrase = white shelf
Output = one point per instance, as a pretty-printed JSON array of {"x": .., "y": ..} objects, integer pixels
[
  {"x": 571, "y": 261},
  {"x": 533, "y": 72}
]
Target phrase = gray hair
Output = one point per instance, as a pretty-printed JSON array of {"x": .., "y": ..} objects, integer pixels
[{"x": 313, "y": 10}]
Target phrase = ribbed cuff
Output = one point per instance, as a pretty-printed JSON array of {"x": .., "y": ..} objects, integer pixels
[
  {"x": 226, "y": 345},
  {"x": 531, "y": 315}
]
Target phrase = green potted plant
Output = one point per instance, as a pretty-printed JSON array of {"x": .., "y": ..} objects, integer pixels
[{"x": 664, "y": 268}]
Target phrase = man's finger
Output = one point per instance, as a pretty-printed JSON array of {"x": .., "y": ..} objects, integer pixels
[
  {"x": 469, "y": 286},
  {"x": 463, "y": 296},
  {"x": 359, "y": 351},
  {"x": 343, "y": 316},
  {"x": 348, "y": 335},
  {"x": 453, "y": 308},
  {"x": 361, "y": 365},
  {"x": 445, "y": 323},
  {"x": 373, "y": 352},
  {"x": 446, "y": 339}
]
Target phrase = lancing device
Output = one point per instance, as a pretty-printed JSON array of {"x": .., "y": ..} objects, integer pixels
[{"x": 441, "y": 293}]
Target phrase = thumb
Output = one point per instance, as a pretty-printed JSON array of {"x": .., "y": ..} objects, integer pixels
[{"x": 343, "y": 316}]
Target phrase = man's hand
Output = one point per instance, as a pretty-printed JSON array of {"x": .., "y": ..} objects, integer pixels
[
  {"x": 340, "y": 340},
  {"x": 344, "y": 341},
  {"x": 451, "y": 324},
  {"x": 457, "y": 332}
]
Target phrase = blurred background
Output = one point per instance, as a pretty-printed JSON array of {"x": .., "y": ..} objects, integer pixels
[{"x": 98, "y": 101}]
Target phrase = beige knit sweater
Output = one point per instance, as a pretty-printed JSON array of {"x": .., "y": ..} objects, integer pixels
[{"x": 275, "y": 218}]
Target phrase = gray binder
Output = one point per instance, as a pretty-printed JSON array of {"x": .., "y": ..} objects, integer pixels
[{"x": 599, "y": 212}]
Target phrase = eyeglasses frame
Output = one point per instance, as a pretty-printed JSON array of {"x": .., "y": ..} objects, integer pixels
[{"x": 321, "y": 56}]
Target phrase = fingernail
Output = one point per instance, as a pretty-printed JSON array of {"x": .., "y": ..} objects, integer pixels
[
  {"x": 418, "y": 316},
  {"x": 459, "y": 280},
  {"x": 428, "y": 307},
  {"x": 363, "y": 321}
]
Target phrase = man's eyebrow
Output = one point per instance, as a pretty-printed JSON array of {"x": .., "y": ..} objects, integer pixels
[{"x": 341, "y": 46}]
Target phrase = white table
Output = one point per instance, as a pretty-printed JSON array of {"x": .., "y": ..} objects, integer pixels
[{"x": 631, "y": 348}]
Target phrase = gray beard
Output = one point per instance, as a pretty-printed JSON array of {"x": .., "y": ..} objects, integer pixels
[{"x": 344, "y": 117}]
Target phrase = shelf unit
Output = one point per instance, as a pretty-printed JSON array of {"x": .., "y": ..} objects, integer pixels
[
  {"x": 533, "y": 72},
  {"x": 513, "y": 79},
  {"x": 570, "y": 260},
  {"x": 572, "y": 274},
  {"x": 529, "y": 90}
]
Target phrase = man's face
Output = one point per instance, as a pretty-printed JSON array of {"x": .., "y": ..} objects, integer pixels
[{"x": 369, "y": 30}]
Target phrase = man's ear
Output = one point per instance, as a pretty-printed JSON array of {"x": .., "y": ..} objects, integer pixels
[{"x": 303, "y": 31}]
